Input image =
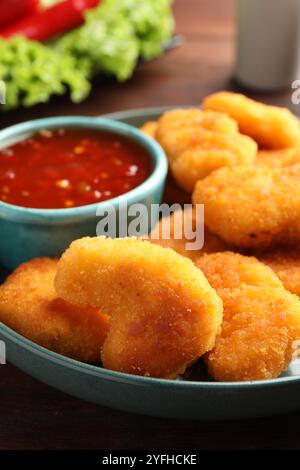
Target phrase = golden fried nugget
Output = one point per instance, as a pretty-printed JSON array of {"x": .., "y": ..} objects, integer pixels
[
  {"x": 260, "y": 323},
  {"x": 270, "y": 126},
  {"x": 198, "y": 142},
  {"x": 179, "y": 240},
  {"x": 252, "y": 206},
  {"x": 30, "y": 306},
  {"x": 164, "y": 313},
  {"x": 179, "y": 128},
  {"x": 215, "y": 151},
  {"x": 150, "y": 128},
  {"x": 285, "y": 262},
  {"x": 278, "y": 158}
]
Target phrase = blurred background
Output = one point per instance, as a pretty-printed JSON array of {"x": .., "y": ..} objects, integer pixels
[
  {"x": 203, "y": 62},
  {"x": 121, "y": 55}
]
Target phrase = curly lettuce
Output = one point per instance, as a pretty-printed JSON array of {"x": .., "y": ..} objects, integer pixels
[
  {"x": 33, "y": 73},
  {"x": 112, "y": 39},
  {"x": 117, "y": 33}
]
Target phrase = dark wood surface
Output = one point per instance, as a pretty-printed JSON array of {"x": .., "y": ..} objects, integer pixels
[{"x": 35, "y": 416}]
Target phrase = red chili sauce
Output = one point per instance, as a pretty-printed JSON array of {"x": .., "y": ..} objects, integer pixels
[{"x": 69, "y": 168}]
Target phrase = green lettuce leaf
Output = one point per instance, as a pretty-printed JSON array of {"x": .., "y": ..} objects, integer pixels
[
  {"x": 112, "y": 39},
  {"x": 33, "y": 73},
  {"x": 117, "y": 33}
]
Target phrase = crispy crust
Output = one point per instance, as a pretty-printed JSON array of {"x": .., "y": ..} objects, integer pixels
[
  {"x": 179, "y": 223},
  {"x": 285, "y": 262},
  {"x": 30, "y": 306},
  {"x": 165, "y": 315},
  {"x": 198, "y": 142},
  {"x": 150, "y": 128},
  {"x": 261, "y": 319},
  {"x": 270, "y": 126},
  {"x": 252, "y": 207}
]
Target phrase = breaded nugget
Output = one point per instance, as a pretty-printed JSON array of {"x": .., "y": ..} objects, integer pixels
[
  {"x": 150, "y": 128},
  {"x": 198, "y": 142},
  {"x": 251, "y": 206},
  {"x": 165, "y": 315},
  {"x": 260, "y": 323},
  {"x": 30, "y": 306},
  {"x": 215, "y": 151},
  {"x": 278, "y": 158},
  {"x": 180, "y": 223},
  {"x": 179, "y": 128},
  {"x": 285, "y": 262},
  {"x": 270, "y": 126}
]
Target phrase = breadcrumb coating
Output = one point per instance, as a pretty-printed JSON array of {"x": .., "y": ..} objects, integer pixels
[
  {"x": 271, "y": 127},
  {"x": 261, "y": 319},
  {"x": 165, "y": 315},
  {"x": 150, "y": 128},
  {"x": 198, "y": 142},
  {"x": 30, "y": 306},
  {"x": 278, "y": 158},
  {"x": 179, "y": 223},
  {"x": 285, "y": 262},
  {"x": 251, "y": 206}
]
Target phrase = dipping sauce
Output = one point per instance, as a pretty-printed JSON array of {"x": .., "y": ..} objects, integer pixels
[{"x": 65, "y": 168}]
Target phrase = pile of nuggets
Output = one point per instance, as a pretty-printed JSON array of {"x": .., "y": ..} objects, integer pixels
[{"x": 153, "y": 307}]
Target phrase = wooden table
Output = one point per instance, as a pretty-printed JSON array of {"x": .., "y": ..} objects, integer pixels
[{"x": 35, "y": 416}]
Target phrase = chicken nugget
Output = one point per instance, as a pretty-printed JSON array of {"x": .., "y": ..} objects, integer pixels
[
  {"x": 261, "y": 319},
  {"x": 278, "y": 158},
  {"x": 150, "y": 128},
  {"x": 213, "y": 151},
  {"x": 198, "y": 142},
  {"x": 251, "y": 206},
  {"x": 165, "y": 315},
  {"x": 179, "y": 128},
  {"x": 177, "y": 235},
  {"x": 30, "y": 306},
  {"x": 270, "y": 126},
  {"x": 285, "y": 262}
]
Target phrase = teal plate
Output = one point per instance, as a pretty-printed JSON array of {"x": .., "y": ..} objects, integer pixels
[{"x": 188, "y": 399}]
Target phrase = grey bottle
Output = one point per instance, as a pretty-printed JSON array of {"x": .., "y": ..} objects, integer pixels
[{"x": 268, "y": 43}]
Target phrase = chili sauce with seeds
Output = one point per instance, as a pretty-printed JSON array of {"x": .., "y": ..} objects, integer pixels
[{"x": 64, "y": 168}]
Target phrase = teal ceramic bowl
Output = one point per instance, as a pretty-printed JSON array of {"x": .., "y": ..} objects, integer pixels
[
  {"x": 187, "y": 399},
  {"x": 29, "y": 233},
  {"x": 156, "y": 397}
]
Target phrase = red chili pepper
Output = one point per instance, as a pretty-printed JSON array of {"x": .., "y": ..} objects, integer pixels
[
  {"x": 13, "y": 10},
  {"x": 51, "y": 22}
]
